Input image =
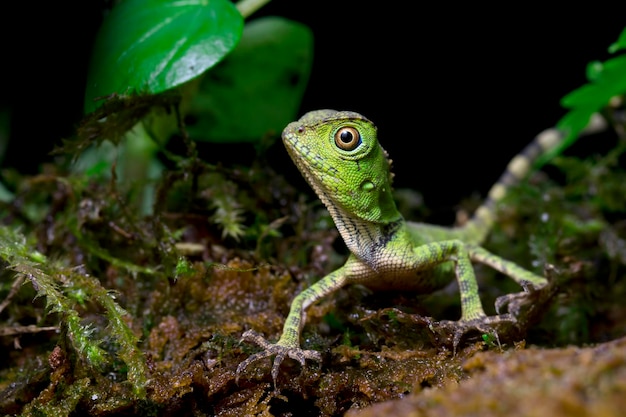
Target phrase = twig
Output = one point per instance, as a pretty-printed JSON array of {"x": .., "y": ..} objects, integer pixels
[{"x": 14, "y": 289}]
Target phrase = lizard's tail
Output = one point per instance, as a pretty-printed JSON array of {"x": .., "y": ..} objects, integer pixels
[{"x": 479, "y": 226}]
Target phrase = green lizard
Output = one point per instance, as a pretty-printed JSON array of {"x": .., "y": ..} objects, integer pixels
[{"x": 339, "y": 155}]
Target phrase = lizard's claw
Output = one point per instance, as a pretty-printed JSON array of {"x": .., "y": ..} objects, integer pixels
[
  {"x": 516, "y": 301},
  {"x": 484, "y": 324},
  {"x": 532, "y": 300},
  {"x": 274, "y": 349}
]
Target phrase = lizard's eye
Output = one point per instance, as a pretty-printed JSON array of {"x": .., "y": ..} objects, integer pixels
[{"x": 347, "y": 138}]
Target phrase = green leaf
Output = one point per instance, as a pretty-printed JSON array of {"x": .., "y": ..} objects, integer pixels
[
  {"x": 150, "y": 46},
  {"x": 257, "y": 89},
  {"x": 594, "y": 69},
  {"x": 620, "y": 44},
  {"x": 606, "y": 80}
]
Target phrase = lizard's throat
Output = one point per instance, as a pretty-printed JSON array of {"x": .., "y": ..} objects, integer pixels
[{"x": 364, "y": 238}]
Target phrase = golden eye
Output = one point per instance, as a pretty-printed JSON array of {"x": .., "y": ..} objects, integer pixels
[{"x": 347, "y": 138}]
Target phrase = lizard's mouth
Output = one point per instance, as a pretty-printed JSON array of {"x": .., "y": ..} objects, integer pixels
[{"x": 318, "y": 172}]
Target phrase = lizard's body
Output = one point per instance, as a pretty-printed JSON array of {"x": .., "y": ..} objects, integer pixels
[{"x": 339, "y": 155}]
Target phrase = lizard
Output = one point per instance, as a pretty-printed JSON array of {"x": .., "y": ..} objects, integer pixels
[{"x": 339, "y": 155}]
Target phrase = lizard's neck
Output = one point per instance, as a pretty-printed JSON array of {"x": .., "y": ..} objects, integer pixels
[{"x": 365, "y": 238}]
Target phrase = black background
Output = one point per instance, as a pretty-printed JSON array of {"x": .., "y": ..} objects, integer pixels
[{"x": 456, "y": 90}]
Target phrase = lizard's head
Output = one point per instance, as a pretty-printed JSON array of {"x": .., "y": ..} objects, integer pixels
[{"x": 339, "y": 155}]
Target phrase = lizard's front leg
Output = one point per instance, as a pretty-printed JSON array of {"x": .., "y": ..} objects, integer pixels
[
  {"x": 472, "y": 313},
  {"x": 528, "y": 280},
  {"x": 431, "y": 255},
  {"x": 289, "y": 343}
]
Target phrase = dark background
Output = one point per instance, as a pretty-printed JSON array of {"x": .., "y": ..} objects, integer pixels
[{"x": 456, "y": 91}]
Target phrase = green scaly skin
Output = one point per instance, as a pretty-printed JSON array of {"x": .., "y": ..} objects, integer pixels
[{"x": 339, "y": 155}]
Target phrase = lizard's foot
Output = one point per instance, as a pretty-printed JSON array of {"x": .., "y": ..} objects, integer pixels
[
  {"x": 516, "y": 301},
  {"x": 450, "y": 332},
  {"x": 274, "y": 349},
  {"x": 529, "y": 305},
  {"x": 483, "y": 324}
]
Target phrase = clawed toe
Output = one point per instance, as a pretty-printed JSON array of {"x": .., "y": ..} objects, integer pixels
[
  {"x": 485, "y": 324},
  {"x": 274, "y": 349},
  {"x": 514, "y": 302}
]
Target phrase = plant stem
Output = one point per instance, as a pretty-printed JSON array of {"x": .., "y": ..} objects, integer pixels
[{"x": 247, "y": 7}]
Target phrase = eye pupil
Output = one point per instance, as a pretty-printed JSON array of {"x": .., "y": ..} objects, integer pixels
[{"x": 348, "y": 138}]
